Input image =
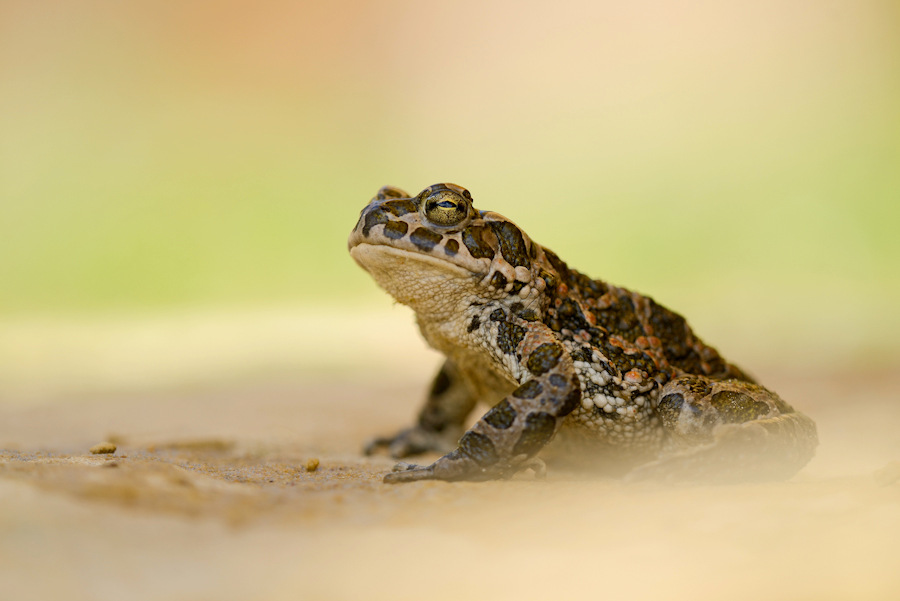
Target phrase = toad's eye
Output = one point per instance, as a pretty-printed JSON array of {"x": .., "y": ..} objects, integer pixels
[{"x": 445, "y": 208}]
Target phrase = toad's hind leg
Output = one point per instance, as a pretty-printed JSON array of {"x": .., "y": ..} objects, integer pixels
[
  {"x": 440, "y": 421},
  {"x": 728, "y": 430}
]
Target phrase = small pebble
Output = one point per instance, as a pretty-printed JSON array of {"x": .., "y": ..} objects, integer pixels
[
  {"x": 312, "y": 465},
  {"x": 103, "y": 448}
]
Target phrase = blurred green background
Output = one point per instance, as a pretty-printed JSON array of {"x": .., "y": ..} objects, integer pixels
[{"x": 164, "y": 164}]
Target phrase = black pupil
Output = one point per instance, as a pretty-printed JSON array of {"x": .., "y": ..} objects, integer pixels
[{"x": 446, "y": 204}]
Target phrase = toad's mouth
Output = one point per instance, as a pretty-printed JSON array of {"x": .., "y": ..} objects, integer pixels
[
  {"x": 406, "y": 263},
  {"x": 425, "y": 283}
]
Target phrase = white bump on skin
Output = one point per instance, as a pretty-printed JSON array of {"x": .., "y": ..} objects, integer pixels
[
  {"x": 506, "y": 269},
  {"x": 523, "y": 274}
]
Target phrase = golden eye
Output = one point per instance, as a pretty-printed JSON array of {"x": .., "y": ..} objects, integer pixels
[{"x": 445, "y": 208}]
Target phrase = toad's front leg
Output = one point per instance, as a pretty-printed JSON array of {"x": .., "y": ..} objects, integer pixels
[{"x": 515, "y": 429}]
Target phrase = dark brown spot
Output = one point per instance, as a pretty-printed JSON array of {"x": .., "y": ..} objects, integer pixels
[
  {"x": 373, "y": 218},
  {"x": 424, "y": 238},
  {"x": 473, "y": 238},
  {"x": 478, "y": 448},
  {"x": 451, "y": 247},
  {"x": 474, "y": 324},
  {"x": 558, "y": 265},
  {"x": 528, "y": 390},
  {"x": 572, "y": 400},
  {"x": 522, "y": 312},
  {"x": 538, "y": 431},
  {"x": 550, "y": 280},
  {"x": 498, "y": 280},
  {"x": 501, "y": 416},
  {"x": 400, "y": 207},
  {"x": 583, "y": 354},
  {"x": 509, "y": 335},
  {"x": 669, "y": 408},
  {"x": 530, "y": 315},
  {"x": 395, "y": 229},
  {"x": 624, "y": 360},
  {"x": 389, "y": 192},
  {"x": 544, "y": 358},
  {"x": 498, "y": 315},
  {"x": 512, "y": 244},
  {"x": 736, "y": 407},
  {"x": 558, "y": 381}
]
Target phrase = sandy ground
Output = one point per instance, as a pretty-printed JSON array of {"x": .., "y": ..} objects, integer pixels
[{"x": 209, "y": 497}]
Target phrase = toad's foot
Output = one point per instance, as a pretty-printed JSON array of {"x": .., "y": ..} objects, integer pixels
[
  {"x": 458, "y": 468},
  {"x": 413, "y": 441},
  {"x": 453, "y": 466},
  {"x": 408, "y": 472}
]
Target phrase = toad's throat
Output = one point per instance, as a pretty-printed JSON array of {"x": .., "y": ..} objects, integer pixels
[{"x": 430, "y": 286}]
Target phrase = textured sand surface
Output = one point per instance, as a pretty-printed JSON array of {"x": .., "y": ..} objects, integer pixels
[{"x": 208, "y": 496}]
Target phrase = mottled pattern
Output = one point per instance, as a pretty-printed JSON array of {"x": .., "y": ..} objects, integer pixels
[{"x": 568, "y": 364}]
